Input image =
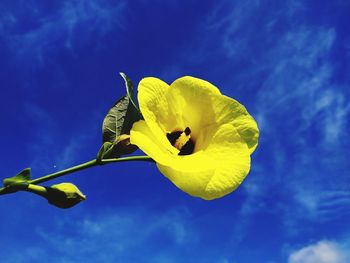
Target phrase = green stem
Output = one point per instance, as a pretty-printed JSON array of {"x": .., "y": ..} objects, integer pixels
[
  {"x": 64, "y": 172},
  {"x": 82, "y": 166},
  {"x": 125, "y": 159}
]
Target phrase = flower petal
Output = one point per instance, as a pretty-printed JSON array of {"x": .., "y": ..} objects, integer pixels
[
  {"x": 193, "y": 97},
  {"x": 203, "y": 105},
  {"x": 232, "y": 155},
  {"x": 156, "y": 110},
  {"x": 229, "y": 110},
  {"x": 215, "y": 171},
  {"x": 142, "y": 136},
  {"x": 191, "y": 86}
]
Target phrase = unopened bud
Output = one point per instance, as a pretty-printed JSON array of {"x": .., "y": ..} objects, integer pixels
[{"x": 64, "y": 195}]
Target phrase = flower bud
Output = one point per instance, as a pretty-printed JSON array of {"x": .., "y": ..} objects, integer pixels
[{"x": 64, "y": 195}]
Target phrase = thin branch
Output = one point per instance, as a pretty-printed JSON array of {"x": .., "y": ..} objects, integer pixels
[{"x": 83, "y": 166}]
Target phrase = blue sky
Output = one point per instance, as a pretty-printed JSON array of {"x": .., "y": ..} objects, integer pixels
[{"x": 288, "y": 62}]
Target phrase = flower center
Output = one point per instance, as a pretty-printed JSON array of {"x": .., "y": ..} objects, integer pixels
[{"x": 182, "y": 141}]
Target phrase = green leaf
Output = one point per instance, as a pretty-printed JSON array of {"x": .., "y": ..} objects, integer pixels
[
  {"x": 118, "y": 122},
  {"x": 22, "y": 176},
  {"x": 18, "y": 182},
  {"x": 129, "y": 89},
  {"x": 115, "y": 122}
]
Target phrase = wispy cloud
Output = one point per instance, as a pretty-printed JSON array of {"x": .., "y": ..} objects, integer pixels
[
  {"x": 72, "y": 25},
  {"x": 119, "y": 236},
  {"x": 302, "y": 111},
  {"x": 336, "y": 115},
  {"x": 44, "y": 151},
  {"x": 43, "y": 139},
  {"x": 234, "y": 24},
  {"x": 322, "y": 252},
  {"x": 28, "y": 254},
  {"x": 297, "y": 70},
  {"x": 322, "y": 204},
  {"x": 130, "y": 234},
  {"x": 307, "y": 114},
  {"x": 245, "y": 24}
]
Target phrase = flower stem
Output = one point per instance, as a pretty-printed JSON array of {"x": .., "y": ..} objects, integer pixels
[
  {"x": 125, "y": 159},
  {"x": 64, "y": 172},
  {"x": 80, "y": 167}
]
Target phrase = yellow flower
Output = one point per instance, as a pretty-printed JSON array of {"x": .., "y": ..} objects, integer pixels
[{"x": 200, "y": 139}]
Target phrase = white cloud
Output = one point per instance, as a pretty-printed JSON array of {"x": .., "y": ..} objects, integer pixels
[
  {"x": 7, "y": 21},
  {"x": 298, "y": 69},
  {"x": 321, "y": 204},
  {"x": 237, "y": 23},
  {"x": 45, "y": 153},
  {"x": 336, "y": 116},
  {"x": 71, "y": 151},
  {"x": 296, "y": 93},
  {"x": 43, "y": 140},
  {"x": 307, "y": 117},
  {"x": 72, "y": 25},
  {"x": 119, "y": 236},
  {"x": 321, "y": 252},
  {"x": 27, "y": 254},
  {"x": 297, "y": 63},
  {"x": 303, "y": 115},
  {"x": 233, "y": 23}
]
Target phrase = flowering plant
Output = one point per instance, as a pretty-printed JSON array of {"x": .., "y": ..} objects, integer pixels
[{"x": 199, "y": 139}]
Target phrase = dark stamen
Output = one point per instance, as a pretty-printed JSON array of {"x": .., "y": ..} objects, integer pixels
[
  {"x": 172, "y": 137},
  {"x": 187, "y": 148},
  {"x": 187, "y": 131},
  {"x": 182, "y": 140}
]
